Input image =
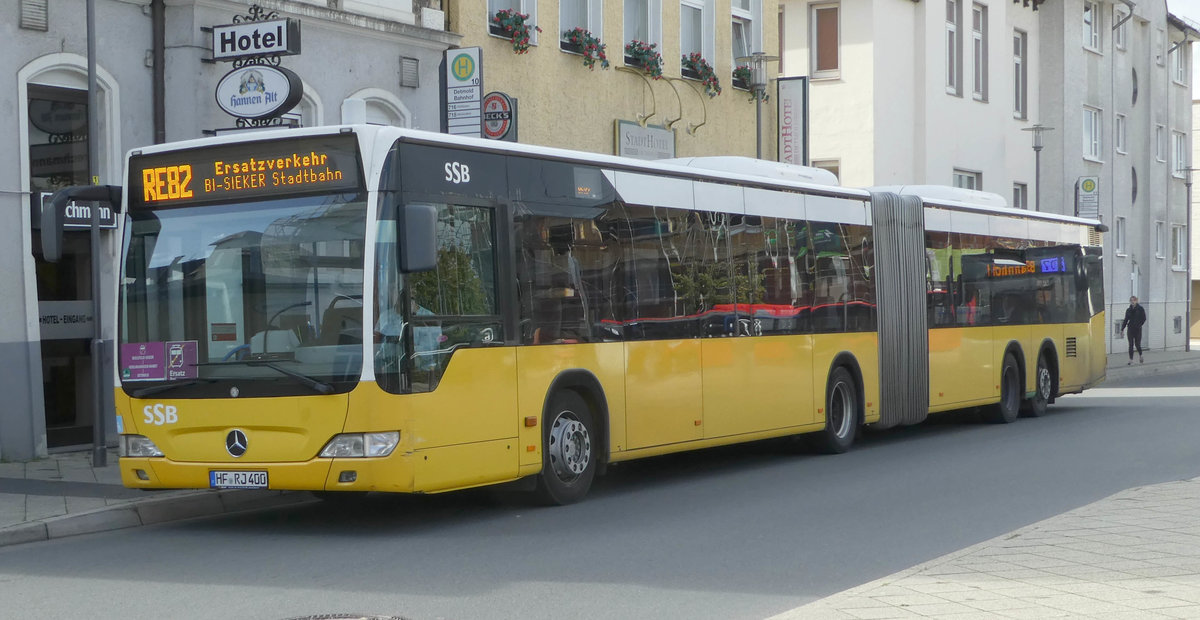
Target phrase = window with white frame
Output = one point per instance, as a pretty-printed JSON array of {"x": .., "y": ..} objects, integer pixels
[
  {"x": 696, "y": 34},
  {"x": 829, "y": 165},
  {"x": 1179, "y": 152},
  {"x": 968, "y": 179},
  {"x": 1020, "y": 74},
  {"x": 1119, "y": 235},
  {"x": 1160, "y": 233},
  {"x": 1160, "y": 143},
  {"x": 1119, "y": 133},
  {"x": 954, "y": 47},
  {"x": 524, "y": 7},
  {"x": 746, "y": 24},
  {"x": 643, "y": 22},
  {"x": 979, "y": 49},
  {"x": 825, "y": 20},
  {"x": 1179, "y": 63},
  {"x": 585, "y": 14},
  {"x": 1020, "y": 196},
  {"x": 1119, "y": 32},
  {"x": 1179, "y": 247},
  {"x": 1091, "y": 25},
  {"x": 1091, "y": 132}
]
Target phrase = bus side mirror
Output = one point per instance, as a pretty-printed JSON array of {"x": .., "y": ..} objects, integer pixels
[
  {"x": 54, "y": 213},
  {"x": 417, "y": 225}
]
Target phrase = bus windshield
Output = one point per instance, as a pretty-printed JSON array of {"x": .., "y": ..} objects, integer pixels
[{"x": 267, "y": 294}]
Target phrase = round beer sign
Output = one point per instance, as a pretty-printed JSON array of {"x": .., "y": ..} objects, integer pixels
[{"x": 259, "y": 91}]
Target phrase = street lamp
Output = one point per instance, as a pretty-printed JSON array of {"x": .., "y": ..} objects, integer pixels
[
  {"x": 1037, "y": 130},
  {"x": 1187, "y": 311},
  {"x": 758, "y": 85}
]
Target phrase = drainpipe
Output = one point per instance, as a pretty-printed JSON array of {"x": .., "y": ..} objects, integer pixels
[{"x": 159, "y": 87}]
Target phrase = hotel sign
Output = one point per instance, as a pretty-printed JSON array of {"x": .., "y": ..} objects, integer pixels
[
  {"x": 279, "y": 36},
  {"x": 649, "y": 142}
]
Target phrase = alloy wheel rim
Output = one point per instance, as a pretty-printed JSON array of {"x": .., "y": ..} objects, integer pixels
[{"x": 570, "y": 447}]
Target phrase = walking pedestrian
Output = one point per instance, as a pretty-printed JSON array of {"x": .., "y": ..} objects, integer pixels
[{"x": 1135, "y": 317}]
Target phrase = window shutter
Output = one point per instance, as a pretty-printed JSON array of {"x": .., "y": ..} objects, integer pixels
[
  {"x": 35, "y": 15},
  {"x": 409, "y": 72}
]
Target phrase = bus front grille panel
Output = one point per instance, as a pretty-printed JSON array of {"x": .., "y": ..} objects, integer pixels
[{"x": 899, "y": 229}]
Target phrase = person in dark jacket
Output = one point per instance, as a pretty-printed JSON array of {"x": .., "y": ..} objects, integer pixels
[{"x": 1135, "y": 317}]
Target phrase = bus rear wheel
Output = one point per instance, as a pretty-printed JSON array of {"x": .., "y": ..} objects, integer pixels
[
  {"x": 1009, "y": 406},
  {"x": 568, "y": 456},
  {"x": 841, "y": 414},
  {"x": 1043, "y": 390}
]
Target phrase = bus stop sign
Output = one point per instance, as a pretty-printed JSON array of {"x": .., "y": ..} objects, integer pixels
[{"x": 499, "y": 117}]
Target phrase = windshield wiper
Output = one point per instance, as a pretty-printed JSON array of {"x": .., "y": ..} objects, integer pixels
[
  {"x": 317, "y": 386},
  {"x": 158, "y": 389}
]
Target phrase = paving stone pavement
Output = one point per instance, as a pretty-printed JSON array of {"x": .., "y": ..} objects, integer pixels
[{"x": 1135, "y": 554}]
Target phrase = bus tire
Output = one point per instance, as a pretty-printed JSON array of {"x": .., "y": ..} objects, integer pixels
[
  {"x": 1009, "y": 406},
  {"x": 1043, "y": 390},
  {"x": 841, "y": 414},
  {"x": 568, "y": 453}
]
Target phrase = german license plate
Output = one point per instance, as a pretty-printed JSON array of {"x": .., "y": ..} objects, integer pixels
[{"x": 237, "y": 479}]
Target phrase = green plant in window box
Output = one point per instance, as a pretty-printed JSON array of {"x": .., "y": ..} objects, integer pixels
[
  {"x": 511, "y": 24},
  {"x": 702, "y": 71},
  {"x": 581, "y": 41},
  {"x": 644, "y": 55},
  {"x": 741, "y": 79}
]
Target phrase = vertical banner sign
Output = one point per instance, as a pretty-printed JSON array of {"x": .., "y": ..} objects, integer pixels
[
  {"x": 1087, "y": 197},
  {"x": 793, "y": 119},
  {"x": 464, "y": 92}
]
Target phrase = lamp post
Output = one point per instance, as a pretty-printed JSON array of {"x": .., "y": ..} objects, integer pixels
[
  {"x": 758, "y": 85},
  {"x": 1037, "y": 130},
  {"x": 1187, "y": 311}
]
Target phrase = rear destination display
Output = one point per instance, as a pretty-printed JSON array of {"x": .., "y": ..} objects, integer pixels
[{"x": 248, "y": 170}]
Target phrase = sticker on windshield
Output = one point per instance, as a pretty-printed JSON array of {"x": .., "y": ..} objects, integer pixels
[
  {"x": 158, "y": 361},
  {"x": 181, "y": 360}
]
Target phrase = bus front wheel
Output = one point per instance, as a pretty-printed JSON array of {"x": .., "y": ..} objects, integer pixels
[
  {"x": 1043, "y": 390},
  {"x": 1009, "y": 406},
  {"x": 841, "y": 414},
  {"x": 568, "y": 456}
]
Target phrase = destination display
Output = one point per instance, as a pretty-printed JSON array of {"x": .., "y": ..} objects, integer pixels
[{"x": 248, "y": 170}]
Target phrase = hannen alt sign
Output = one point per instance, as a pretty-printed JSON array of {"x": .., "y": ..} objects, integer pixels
[
  {"x": 259, "y": 91},
  {"x": 279, "y": 36}
]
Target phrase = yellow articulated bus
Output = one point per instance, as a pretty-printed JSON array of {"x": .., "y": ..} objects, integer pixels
[{"x": 364, "y": 308}]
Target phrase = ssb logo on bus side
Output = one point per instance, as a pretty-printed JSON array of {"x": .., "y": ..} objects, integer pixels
[{"x": 457, "y": 173}]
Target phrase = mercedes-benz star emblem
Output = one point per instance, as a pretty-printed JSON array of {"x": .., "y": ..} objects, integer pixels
[{"x": 235, "y": 443}]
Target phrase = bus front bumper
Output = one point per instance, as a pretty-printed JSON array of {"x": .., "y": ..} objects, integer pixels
[{"x": 393, "y": 474}]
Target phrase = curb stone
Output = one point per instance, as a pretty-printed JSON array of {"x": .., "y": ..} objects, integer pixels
[{"x": 149, "y": 512}]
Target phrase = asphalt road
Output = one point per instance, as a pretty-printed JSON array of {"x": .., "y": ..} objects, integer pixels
[{"x": 742, "y": 532}]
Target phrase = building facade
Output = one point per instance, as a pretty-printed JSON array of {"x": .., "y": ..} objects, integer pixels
[
  {"x": 1101, "y": 89},
  {"x": 564, "y": 103},
  {"x": 377, "y": 51}
]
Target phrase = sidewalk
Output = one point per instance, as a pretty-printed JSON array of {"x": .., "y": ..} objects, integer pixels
[
  {"x": 1135, "y": 554},
  {"x": 64, "y": 495}
]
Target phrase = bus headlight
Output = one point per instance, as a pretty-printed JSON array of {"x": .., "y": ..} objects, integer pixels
[
  {"x": 137, "y": 446},
  {"x": 358, "y": 445}
]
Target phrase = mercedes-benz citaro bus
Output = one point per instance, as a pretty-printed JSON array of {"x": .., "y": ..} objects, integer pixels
[{"x": 366, "y": 308}]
